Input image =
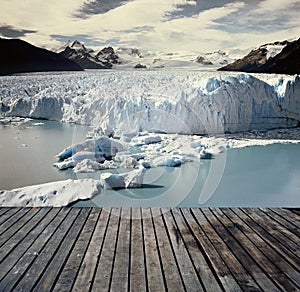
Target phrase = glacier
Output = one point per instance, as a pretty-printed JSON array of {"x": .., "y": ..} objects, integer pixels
[{"x": 164, "y": 101}]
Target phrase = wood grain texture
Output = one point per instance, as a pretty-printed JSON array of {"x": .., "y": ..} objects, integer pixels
[{"x": 149, "y": 249}]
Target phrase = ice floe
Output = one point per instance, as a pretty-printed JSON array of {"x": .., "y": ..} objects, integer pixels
[{"x": 54, "y": 194}]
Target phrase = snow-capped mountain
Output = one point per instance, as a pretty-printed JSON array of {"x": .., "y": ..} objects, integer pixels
[
  {"x": 85, "y": 57},
  {"x": 278, "y": 57},
  {"x": 133, "y": 58},
  {"x": 18, "y": 56},
  {"x": 108, "y": 55}
]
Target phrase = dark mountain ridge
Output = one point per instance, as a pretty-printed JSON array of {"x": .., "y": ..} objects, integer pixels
[
  {"x": 286, "y": 61},
  {"x": 87, "y": 58},
  {"x": 18, "y": 56}
]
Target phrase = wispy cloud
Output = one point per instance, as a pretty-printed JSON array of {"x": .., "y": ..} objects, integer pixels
[
  {"x": 95, "y": 7},
  {"x": 12, "y": 32}
]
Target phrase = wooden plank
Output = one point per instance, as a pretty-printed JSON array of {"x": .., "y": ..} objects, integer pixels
[
  {"x": 47, "y": 281},
  {"x": 8, "y": 214},
  {"x": 278, "y": 226},
  {"x": 295, "y": 211},
  {"x": 24, "y": 245},
  {"x": 191, "y": 279},
  {"x": 284, "y": 222},
  {"x": 225, "y": 262},
  {"x": 169, "y": 265},
  {"x": 271, "y": 240},
  {"x": 154, "y": 272},
  {"x": 195, "y": 251},
  {"x": 71, "y": 268},
  {"x": 35, "y": 217},
  {"x": 102, "y": 280},
  {"x": 211, "y": 254},
  {"x": 274, "y": 229},
  {"x": 3, "y": 210},
  {"x": 28, "y": 258},
  {"x": 137, "y": 255},
  {"x": 292, "y": 217},
  {"x": 261, "y": 259},
  {"x": 120, "y": 277},
  {"x": 247, "y": 261},
  {"x": 11, "y": 226},
  {"x": 41, "y": 262},
  {"x": 281, "y": 266},
  {"x": 88, "y": 267}
]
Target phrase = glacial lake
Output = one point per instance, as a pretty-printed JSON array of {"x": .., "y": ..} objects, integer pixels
[{"x": 257, "y": 176}]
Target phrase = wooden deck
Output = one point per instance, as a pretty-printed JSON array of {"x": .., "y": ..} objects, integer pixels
[{"x": 94, "y": 249}]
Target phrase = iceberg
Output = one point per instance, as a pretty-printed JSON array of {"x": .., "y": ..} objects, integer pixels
[
  {"x": 132, "y": 179},
  {"x": 88, "y": 165},
  {"x": 146, "y": 139},
  {"x": 168, "y": 161},
  {"x": 98, "y": 150},
  {"x": 54, "y": 194},
  {"x": 101, "y": 147}
]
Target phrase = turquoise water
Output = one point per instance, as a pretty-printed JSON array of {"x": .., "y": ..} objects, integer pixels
[
  {"x": 27, "y": 152},
  {"x": 257, "y": 176},
  {"x": 249, "y": 177}
]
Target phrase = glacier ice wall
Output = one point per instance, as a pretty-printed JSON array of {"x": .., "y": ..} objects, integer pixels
[{"x": 164, "y": 101}]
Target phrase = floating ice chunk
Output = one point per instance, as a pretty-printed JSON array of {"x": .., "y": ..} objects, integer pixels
[
  {"x": 167, "y": 161},
  {"x": 145, "y": 164},
  {"x": 130, "y": 162},
  {"x": 108, "y": 146},
  {"x": 205, "y": 155},
  {"x": 87, "y": 165},
  {"x": 145, "y": 140},
  {"x": 68, "y": 163},
  {"x": 112, "y": 181},
  {"x": 195, "y": 144},
  {"x": 135, "y": 178},
  {"x": 122, "y": 156},
  {"x": 105, "y": 145},
  {"x": 66, "y": 153},
  {"x": 54, "y": 194},
  {"x": 126, "y": 137},
  {"x": 14, "y": 120},
  {"x": 5, "y": 121},
  {"x": 132, "y": 179},
  {"x": 81, "y": 155}
]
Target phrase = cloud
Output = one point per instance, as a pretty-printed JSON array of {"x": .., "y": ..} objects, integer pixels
[
  {"x": 152, "y": 24},
  {"x": 11, "y": 32},
  {"x": 83, "y": 38},
  {"x": 191, "y": 33},
  {"x": 268, "y": 18},
  {"x": 193, "y": 8},
  {"x": 95, "y": 7},
  {"x": 275, "y": 5}
]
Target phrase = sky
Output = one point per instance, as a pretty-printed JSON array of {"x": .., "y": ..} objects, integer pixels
[{"x": 158, "y": 25}]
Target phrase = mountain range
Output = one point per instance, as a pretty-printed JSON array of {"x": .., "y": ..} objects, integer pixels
[
  {"x": 87, "y": 58},
  {"x": 18, "y": 56},
  {"x": 278, "y": 57}
]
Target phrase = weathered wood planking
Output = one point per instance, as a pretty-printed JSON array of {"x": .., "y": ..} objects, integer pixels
[{"x": 149, "y": 249}]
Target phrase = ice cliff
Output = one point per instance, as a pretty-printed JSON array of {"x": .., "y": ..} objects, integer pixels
[{"x": 175, "y": 101}]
